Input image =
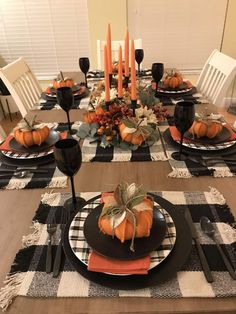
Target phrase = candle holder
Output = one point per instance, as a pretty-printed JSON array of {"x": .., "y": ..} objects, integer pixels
[
  {"x": 126, "y": 82},
  {"x": 133, "y": 105},
  {"x": 107, "y": 103}
]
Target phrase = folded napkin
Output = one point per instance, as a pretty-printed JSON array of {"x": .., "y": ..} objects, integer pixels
[
  {"x": 99, "y": 263},
  {"x": 175, "y": 134}
]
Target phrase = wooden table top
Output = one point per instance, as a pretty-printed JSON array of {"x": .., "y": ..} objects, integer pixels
[{"x": 18, "y": 207}]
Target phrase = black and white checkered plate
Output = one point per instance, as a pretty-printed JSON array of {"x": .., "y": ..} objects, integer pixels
[{"x": 82, "y": 250}]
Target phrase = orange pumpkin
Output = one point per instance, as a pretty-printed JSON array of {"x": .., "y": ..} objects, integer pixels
[
  {"x": 199, "y": 128},
  {"x": 125, "y": 230},
  {"x": 173, "y": 81},
  {"x": 135, "y": 138},
  {"x": 63, "y": 83},
  {"x": 30, "y": 138},
  {"x": 214, "y": 128},
  {"x": 206, "y": 128},
  {"x": 89, "y": 117}
]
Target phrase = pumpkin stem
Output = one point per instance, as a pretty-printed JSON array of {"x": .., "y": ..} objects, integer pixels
[{"x": 28, "y": 124}]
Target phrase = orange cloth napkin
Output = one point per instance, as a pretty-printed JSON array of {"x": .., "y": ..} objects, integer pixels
[
  {"x": 99, "y": 263},
  {"x": 6, "y": 144},
  {"x": 175, "y": 134}
]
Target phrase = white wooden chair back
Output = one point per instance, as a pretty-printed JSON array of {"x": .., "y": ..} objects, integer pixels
[
  {"x": 115, "y": 44},
  {"x": 22, "y": 84},
  {"x": 216, "y": 76},
  {"x": 2, "y": 134}
]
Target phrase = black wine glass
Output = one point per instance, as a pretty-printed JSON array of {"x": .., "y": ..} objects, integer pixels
[
  {"x": 139, "y": 58},
  {"x": 157, "y": 73},
  {"x": 68, "y": 158},
  {"x": 84, "y": 65},
  {"x": 65, "y": 99},
  {"x": 183, "y": 118}
]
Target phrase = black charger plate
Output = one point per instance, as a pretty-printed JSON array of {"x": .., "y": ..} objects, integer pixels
[
  {"x": 198, "y": 152},
  {"x": 221, "y": 137},
  {"x": 50, "y": 141},
  {"x": 157, "y": 275},
  {"x": 27, "y": 162},
  {"x": 112, "y": 247}
]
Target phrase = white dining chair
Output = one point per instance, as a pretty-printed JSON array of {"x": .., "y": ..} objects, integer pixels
[
  {"x": 115, "y": 50},
  {"x": 216, "y": 76},
  {"x": 22, "y": 84}
]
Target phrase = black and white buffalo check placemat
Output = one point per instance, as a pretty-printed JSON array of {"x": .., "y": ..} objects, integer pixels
[
  {"x": 92, "y": 151},
  {"x": 27, "y": 276},
  {"x": 53, "y": 178}
]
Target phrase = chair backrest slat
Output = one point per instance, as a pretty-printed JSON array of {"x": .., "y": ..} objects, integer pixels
[{"x": 22, "y": 84}]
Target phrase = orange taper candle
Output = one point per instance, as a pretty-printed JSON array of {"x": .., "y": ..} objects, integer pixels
[
  {"x": 109, "y": 54},
  {"x": 106, "y": 73},
  {"x": 120, "y": 74},
  {"x": 133, "y": 72},
  {"x": 127, "y": 54}
]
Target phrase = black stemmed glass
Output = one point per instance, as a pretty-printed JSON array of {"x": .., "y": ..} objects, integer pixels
[
  {"x": 65, "y": 99},
  {"x": 84, "y": 65},
  {"x": 68, "y": 158},
  {"x": 139, "y": 58},
  {"x": 183, "y": 118},
  {"x": 157, "y": 73}
]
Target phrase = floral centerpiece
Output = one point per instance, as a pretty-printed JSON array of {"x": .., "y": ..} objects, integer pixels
[{"x": 119, "y": 125}]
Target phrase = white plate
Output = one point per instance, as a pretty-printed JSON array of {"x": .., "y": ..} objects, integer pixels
[
  {"x": 81, "y": 249},
  {"x": 17, "y": 155},
  {"x": 208, "y": 147}
]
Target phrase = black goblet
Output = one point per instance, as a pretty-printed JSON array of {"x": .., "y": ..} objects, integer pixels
[
  {"x": 183, "y": 118},
  {"x": 68, "y": 158},
  {"x": 139, "y": 58},
  {"x": 157, "y": 73},
  {"x": 65, "y": 99},
  {"x": 84, "y": 65}
]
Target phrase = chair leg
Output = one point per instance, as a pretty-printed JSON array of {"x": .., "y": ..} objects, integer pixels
[
  {"x": 2, "y": 109},
  {"x": 9, "y": 111}
]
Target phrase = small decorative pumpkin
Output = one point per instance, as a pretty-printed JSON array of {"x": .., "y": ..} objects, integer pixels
[
  {"x": 90, "y": 117},
  {"x": 133, "y": 134},
  {"x": 29, "y": 134},
  {"x": 173, "y": 79},
  {"x": 208, "y": 128},
  {"x": 127, "y": 213},
  {"x": 67, "y": 82}
]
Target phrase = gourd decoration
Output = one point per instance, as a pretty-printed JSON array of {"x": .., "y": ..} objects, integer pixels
[
  {"x": 67, "y": 82},
  {"x": 127, "y": 213},
  {"x": 205, "y": 128},
  {"x": 134, "y": 131},
  {"x": 28, "y": 134},
  {"x": 173, "y": 79}
]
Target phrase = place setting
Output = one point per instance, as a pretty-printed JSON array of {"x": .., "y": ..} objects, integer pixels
[
  {"x": 170, "y": 86},
  {"x": 26, "y": 156},
  {"x": 49, "y": 99},
  {"x": 159, "y": 258},
  {"x": 200, "y": 144}
]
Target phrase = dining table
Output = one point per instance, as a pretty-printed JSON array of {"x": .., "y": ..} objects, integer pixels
[{"x": 18, "y": 208}]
